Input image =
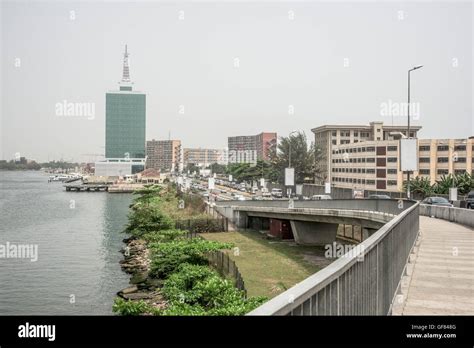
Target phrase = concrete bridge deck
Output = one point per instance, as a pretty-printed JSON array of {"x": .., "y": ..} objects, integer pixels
[{"x": 440, "y": 277}]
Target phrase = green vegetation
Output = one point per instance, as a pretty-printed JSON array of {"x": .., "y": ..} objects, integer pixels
[
  {"x": 198, "y": 290},
  {"x": 422, "y": 186},
  {"x": 270, "y": 267},
  {"x": 191, "y": 287},
  {"x": 19, "y": 165},
  {"x": 167, "y": 257}
]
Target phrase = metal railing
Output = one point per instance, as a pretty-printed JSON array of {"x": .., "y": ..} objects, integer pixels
[{"x": 363, "y": 283}]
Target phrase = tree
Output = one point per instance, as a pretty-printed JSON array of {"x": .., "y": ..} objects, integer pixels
[
  {"x": 218, "y": 168},
  {"x": 305, "y": 158}
]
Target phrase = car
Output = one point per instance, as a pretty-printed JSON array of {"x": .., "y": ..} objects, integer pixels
[
  {"x": 379, "y": 197},
  {"x": 320, "y": 197},
  {"x": 439, "y": 201},
  {"x": 470, "y": 200},
  {"x": 276, "y": 192}
]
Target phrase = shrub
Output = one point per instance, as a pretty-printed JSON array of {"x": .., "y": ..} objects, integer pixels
[
  {"x": 198, "y": 290},
  {"x": 166, "y": 257},
  {"x": 127, "y": 307},
  {"x": 164, "y": 236},
  {"x": 147, "y": 218}
]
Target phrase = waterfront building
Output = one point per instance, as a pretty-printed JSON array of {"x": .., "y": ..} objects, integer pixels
[
  {"x": 125, "y": 127},
  {"x": 165, "y": 155},
  {"x": 250, "y": 148}
]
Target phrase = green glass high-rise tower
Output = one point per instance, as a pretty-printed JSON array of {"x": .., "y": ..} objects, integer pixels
[{"x": 125, "y": 119}]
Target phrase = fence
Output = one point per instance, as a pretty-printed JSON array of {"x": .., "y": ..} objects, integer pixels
[
  {"x": 227, "y": 268},
  {"x": 363, "y": 283},
  {"x": 203, "y": 225}
]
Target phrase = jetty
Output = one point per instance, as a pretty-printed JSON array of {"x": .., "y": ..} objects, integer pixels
[{"x": 87, "y": 187}]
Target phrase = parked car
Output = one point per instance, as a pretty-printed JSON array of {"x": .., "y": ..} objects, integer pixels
[
  {"x": 441, "y": 201},
  {"x": 265, "y": 192},
  {"x": 379, "y": 197},
  {"x": 470, "y": 200},
  {"x": 320, "y": 197},
  {"x": 276, "y": 192}
]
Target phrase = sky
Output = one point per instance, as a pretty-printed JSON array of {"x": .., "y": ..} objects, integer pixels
[{"x": 216, "y": 69}]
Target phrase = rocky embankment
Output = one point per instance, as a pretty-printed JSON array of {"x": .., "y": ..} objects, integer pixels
[{"x": 136, "y": 262}]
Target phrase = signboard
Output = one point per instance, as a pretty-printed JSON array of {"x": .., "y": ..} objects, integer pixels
[
  {"x": 299, "y": 190},
  {"x": 327, "y": 188},
  {"x": 230, "y": 178},
  {"x": 289, "y": 176},
  {"x": 408, "y": 155},
  {"x": 357, "y": 194},
  {"x": 453, "y": 193},
  {"x": 210, "y": 184}
]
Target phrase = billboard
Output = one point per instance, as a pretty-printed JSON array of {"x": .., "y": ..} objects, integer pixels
[
  {"x": 289, "y": 176},
  {"x": 408, "y": 155},
  {"x": 299, "y": 190},
  {"x": 210, "y": 184}
]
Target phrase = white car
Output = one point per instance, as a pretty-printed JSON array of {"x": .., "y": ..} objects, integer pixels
[
  {"x": 277, "y": 193},
  {"x": 320, "y": 197}
]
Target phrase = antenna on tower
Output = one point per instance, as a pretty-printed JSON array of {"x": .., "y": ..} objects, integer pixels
[{"x": 126, "y": 67}]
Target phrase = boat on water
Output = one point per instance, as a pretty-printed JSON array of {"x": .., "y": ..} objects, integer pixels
[{"x": 65, "y": 177}]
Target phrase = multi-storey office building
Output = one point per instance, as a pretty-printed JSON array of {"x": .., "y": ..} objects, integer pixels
[
  {"x": 204, "y": 157},
  {"x": 437, "y": 157},
  {"x": 125, "y": 127},
  {"x": 164, "y": 155},
  {"x": 375, "y": 165},
  {"x": 328, "y": 136},
  {"x": 250, "y": 148},
  {"x": 125, "y": 119}
]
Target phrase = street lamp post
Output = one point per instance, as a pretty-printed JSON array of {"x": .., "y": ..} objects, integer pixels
[
  {"x": 289, "y": 153},
  {"x": 408, "y": 128}
]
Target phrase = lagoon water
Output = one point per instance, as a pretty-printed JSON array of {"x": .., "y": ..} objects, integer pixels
[{"x": 78, "y": 236}]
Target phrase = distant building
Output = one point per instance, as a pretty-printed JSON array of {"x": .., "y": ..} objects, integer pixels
[
  {"x": 328, "y": 136},
  {"x": 250, "y": 148},
  {"x": 204, "y": 157},
  {"x": 375, "y": 165},
  {"x": 125, "y": 122},
  {"x": 165, "y": 155}
]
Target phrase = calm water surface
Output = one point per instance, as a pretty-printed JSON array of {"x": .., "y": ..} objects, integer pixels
[{"x": 78, "y": 236}]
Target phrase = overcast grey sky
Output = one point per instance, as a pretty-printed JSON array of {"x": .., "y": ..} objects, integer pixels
[{"x": 233, "y": 68}]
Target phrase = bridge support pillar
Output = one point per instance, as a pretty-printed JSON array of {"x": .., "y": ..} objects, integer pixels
[
  {"x": 313, "y": 233},
  {"x": 240, "y": 219},
  {"x": 367, "y": 232}
]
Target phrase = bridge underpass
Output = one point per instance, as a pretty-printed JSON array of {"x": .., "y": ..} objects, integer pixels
[{"x": 310, "y": 226}]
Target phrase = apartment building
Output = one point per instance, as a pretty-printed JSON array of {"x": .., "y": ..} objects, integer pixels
[
  {"x": 375, "y": 165},
  {"x": 329, "y": 136},
  {"x": 165, "y": 155},
  {"x": 250, "y": 148},
  {"x": 204, "y": 157}
]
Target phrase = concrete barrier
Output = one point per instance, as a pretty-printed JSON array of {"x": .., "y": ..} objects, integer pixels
[{"x": 458, "y": 215}]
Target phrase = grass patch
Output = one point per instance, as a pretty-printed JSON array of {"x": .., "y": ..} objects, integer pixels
[{"x": 270, "y": 267}]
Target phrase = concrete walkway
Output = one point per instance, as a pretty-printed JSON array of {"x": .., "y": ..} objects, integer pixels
[{"x": 440, "y": 278}]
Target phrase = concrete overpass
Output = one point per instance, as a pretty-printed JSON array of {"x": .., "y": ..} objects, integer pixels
[{"x": 315, "y": 222}]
